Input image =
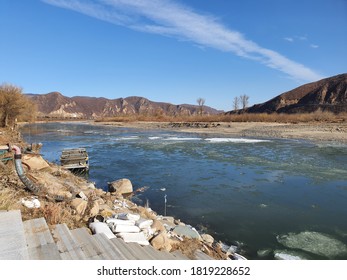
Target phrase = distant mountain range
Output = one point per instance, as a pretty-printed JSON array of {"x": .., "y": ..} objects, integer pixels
[
  {"x": 54, "y": 104},
  {"x": 329, "y": 94}
]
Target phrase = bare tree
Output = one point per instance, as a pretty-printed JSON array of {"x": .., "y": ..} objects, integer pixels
[
  {"x": 13, "y": 105},
  {"x": 201, "y": 103},
  {"x": 244, "y": 101},
  {"x": 236, "y": 102}
]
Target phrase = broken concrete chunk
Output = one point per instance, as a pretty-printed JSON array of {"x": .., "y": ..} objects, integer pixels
[{"x": 186, "y": 231}]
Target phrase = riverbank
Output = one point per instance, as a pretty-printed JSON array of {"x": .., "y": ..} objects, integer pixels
[
  {"x": 315, "y": 131},
  {"x": 66, "y": 198}
]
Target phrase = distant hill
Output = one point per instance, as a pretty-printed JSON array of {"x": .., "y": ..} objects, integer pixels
[
  {"x": 329, "y": 94},
  {"x": 55, "y": 104}
]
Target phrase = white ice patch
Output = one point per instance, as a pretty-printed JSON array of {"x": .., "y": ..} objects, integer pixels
[
  {"x": 182, "y": 139},
  {"x": 235, "y": 140},
  {"x": 154, "y": 138},
  {"x": 127, "y": 138},
  {"x": 314, "y": 242}
]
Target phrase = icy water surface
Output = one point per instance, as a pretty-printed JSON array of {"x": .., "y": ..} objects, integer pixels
[{"x": 264, "y": 195}]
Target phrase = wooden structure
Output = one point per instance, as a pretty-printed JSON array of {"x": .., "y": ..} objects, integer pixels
[{"x": 76, "y": 160}]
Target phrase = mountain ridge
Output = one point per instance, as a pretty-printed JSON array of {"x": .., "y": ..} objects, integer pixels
[
  {"x": 329, "y": 94},
  {"x": 55, "y": 104}
]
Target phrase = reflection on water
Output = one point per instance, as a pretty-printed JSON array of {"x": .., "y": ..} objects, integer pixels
[{"x": 260, "y": 194}]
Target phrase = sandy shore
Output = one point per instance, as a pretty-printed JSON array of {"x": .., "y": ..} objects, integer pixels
[{"x": 334, "y": 132}]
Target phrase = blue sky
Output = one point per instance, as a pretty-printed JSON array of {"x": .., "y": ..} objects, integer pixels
[{"x": 171, "y": 51}]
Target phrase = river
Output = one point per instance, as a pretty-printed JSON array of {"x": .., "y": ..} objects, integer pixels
[{"x": 262, "y": 195}]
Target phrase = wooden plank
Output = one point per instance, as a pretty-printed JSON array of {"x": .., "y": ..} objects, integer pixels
[
  {"x": 110, "y": 251},
  {"x": 39, "y": 240},
  {"x": 67, "y": 244},
  {"x": 88, "y": 245},
  {"x": 12, "y": 238}
]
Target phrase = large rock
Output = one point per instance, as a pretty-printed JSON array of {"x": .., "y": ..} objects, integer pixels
[
  {"x": 158, "y": 226},
  {"x": 208, "y": 239},
  {"x": 121, "y": 186},
  {"x": 161, "y": 242},
  {"x": 79, "y": 205}
]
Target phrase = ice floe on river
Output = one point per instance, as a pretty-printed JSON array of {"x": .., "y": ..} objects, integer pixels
[{"x": 314, "y": 242}]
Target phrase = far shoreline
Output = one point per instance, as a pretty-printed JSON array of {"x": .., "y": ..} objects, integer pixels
[
  {"x": 313, "y": 131},
  {"x": 322, "y": 132}
]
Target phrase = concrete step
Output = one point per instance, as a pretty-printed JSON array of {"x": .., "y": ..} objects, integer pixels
[
  {"x": 159, "y": 255},
  {"x": 68, "y": 246},
  {"x": 179, "y": 255},
  {"x": 122, "y": 246},
  {"x": 141, "y": 252},
  {"x": 199, "y": 255},
  {"x": 109, "y": 249},
  {"x": 12, "y": 238},
  {"x": 88, "y": 244},
  {"x": 39, "y": 240}
]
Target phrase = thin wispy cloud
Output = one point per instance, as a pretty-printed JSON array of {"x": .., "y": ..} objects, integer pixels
[
  {"x": 289, "y": 39},
  {"x": 168, "y": 18},
  {"x": 314, "y": 46}
]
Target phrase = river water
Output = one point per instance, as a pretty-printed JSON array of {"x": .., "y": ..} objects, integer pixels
[{"x": 262, "y": 195}]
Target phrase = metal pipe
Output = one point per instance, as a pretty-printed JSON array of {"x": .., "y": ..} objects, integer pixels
[{"x": 20, "y": 171}]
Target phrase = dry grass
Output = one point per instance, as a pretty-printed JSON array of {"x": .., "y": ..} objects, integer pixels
[
  {"x": 317, "y": 116},
  {"x": 7, "y": 199}
]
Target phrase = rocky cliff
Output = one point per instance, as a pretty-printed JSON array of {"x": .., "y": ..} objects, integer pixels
[
  {"x": 329, "y": 94},
  {"x": 54, "y": 104}
]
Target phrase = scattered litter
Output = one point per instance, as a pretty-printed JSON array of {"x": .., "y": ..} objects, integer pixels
[
  {"x": 83, "y": 196},
  {"x": 31, "y": 203}
]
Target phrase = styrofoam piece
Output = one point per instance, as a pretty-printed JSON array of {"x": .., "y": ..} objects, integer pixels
[
  {"x": 134, "y": 238},
  {"x": 98, "y": 227},
  {"x": 143, "y": 223},
  {"x": 128, "y": 216},
  {"x": 126, "y": 228},
  {"x": 115, "y": 221}
]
